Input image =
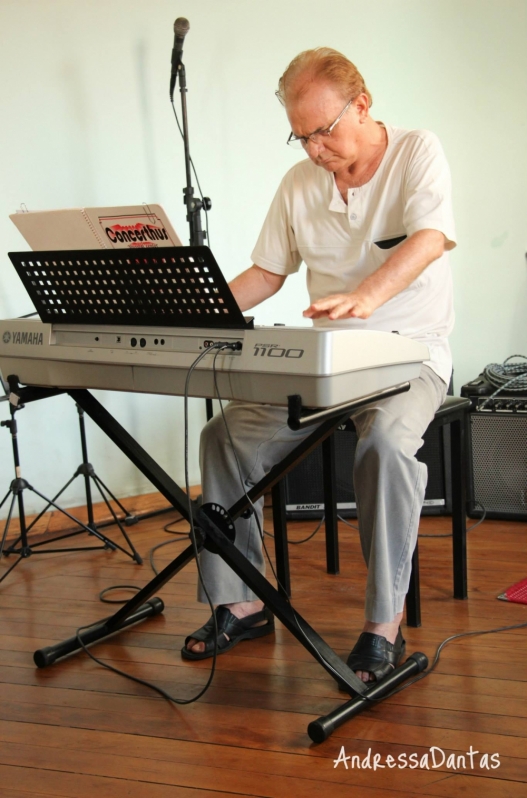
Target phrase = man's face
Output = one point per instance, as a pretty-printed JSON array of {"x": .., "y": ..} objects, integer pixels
[{"x": 316, "y": 109}]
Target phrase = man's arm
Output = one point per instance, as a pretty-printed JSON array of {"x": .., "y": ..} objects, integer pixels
[
  {"x": 396, "y": 274},
  {"x": 254, "y": 285}
]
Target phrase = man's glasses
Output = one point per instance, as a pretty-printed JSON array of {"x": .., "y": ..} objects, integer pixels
[{"x": 317, "y": 136}]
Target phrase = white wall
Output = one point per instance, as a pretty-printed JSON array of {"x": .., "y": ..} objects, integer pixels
[{"x": 86, "y": 121}]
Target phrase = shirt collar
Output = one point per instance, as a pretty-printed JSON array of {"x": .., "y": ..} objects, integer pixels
[{"x": 337, "y": 203}]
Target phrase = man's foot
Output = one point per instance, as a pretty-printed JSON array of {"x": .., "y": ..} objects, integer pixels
[
  {"x": 226, "y": 616},
  {"x": 387, "y": 630}
]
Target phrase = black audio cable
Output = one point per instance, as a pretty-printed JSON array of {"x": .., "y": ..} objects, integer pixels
[
  {"x": 506, "y": 376},
  {"x": 220, "y": 345}
]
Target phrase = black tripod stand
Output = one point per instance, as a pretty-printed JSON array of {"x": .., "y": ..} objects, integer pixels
[
  {"x": 87, "y": 471},
  {"x": 21, "y": 545}
]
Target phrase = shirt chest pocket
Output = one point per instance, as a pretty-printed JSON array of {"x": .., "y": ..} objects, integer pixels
[
  {"x": 382, "y": 248},
  {"x": 390, "y": 243}
]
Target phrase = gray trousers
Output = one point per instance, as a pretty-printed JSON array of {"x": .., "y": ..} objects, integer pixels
[{"x": 389, "y": 486}]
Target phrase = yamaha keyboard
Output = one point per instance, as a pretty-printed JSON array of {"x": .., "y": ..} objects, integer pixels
[
  {"x": 102, "y": 327},
  {"x": 326, "y": 367}
]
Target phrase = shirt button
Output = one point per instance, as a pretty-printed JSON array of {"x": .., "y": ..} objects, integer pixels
[{"x": 353, "y": 216}]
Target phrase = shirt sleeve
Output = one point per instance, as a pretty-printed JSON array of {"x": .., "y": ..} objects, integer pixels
[
  {"x": 276, "y": 249},
  {"x": 428, "y": 190}
]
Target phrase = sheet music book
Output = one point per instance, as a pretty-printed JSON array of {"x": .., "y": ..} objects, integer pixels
[{"x": 122, "y": 227}]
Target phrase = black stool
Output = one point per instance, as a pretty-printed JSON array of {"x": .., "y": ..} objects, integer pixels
[{"x": 453, "y": 412}]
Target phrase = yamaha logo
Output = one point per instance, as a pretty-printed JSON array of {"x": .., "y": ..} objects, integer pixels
[{"x": 32, "y": 338}]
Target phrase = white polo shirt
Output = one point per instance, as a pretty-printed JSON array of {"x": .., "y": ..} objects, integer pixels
[{"x": 342, "y": 244}]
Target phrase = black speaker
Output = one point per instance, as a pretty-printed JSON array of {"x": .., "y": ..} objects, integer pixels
[
  {"x": 497, "y": 480},
  {"x": 497, "y": 452},
  {"x": 304, "y": 485}
]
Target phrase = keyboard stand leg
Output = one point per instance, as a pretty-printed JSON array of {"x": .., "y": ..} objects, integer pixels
[
  {"x": 280, "y": 539},
  {"x": 330, "y": 506},
  {"x": 142, "y": 605}
]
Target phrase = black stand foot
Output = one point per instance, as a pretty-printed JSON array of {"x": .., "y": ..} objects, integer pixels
[
  {"x": 319, "y": 730},
  {"x": 47, "y": 656}
]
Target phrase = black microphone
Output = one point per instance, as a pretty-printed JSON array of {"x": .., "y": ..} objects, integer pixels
[{"x": 181, "y": 28}]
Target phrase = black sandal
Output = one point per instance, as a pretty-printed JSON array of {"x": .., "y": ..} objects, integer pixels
[
  {"x": 376, "y": 655},
  {"x": 230, "y": 631}
]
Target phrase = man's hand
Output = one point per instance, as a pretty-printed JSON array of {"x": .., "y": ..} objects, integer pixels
[{"x": 341, "y": 306}]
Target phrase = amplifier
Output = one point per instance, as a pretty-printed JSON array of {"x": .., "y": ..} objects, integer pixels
[
  {"x": 304, "y": 484},
  {"x": 497, "y": 479}
]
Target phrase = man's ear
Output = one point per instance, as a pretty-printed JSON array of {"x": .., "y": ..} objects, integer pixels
[{"x": 362, "y": 105}]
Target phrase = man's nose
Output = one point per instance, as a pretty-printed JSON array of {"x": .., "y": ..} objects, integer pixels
[{"x": 313, "y": 148}]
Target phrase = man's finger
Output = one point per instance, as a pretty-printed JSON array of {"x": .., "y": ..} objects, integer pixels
[
  {"x": 315, "y": 312},
  {"x": 323, "y": 305},
  {"x": 342, "y": 310}
]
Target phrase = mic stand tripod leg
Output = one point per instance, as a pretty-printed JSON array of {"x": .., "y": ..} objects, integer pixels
[
  {"x": 101, "y": 487},
  {"x": 21, "y": 545},
  {"x": 129, "y": 519},
  {"x": 16, "y": 488},
  {"x": 4, "y": 536},
  {"x": 88, "y": 472},
  {"x": 8, "y": 519},
  {"x": 52, "y": 503}
]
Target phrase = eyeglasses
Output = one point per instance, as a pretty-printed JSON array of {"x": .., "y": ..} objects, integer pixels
[{"x": 318, "y": 135}]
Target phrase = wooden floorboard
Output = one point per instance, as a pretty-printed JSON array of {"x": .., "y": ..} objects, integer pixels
[{"x": 77, "y": 730}]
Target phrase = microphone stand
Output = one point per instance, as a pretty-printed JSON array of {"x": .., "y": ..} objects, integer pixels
[{"x": 193, "y": 204}]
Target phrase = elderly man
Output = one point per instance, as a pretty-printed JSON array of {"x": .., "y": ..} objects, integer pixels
[{"x": 369, "y": 212}]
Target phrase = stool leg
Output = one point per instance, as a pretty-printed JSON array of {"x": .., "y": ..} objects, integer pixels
[
  {"x": 330, "y": 505},
  {"x": 280, "y": 539},
  {"x": 459, "y": 522},
  {"x": 413, "y": 597}
]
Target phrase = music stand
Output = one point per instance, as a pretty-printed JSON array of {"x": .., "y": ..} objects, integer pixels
[{"x": 158, "y": 287}]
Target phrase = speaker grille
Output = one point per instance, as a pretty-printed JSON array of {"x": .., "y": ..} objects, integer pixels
[
  {"x": 499, "y": 463},
  {"x": 304, "y": 485}
]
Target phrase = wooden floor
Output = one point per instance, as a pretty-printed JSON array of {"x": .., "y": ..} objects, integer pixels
[{"x": 77, "y": 730}]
